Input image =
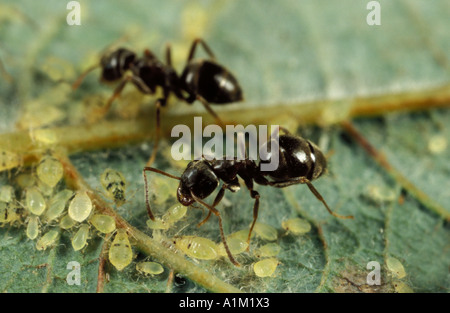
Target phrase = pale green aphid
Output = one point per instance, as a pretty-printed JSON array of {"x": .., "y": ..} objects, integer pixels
[
  {"x": 57, "y": 204},
  {"x": 401, "y": 287},
  {"x": 80, "y": 207},
  {"x": 33, "y": 227},
  {"x": 236, "y": 246},
  {"x": 240, "y": 234},
  {"x": 296, "y": 226},
  {"x": 175, "y": 213},
  {"x": 34, "y": 201},
  {"x": 266, "y": 267},
  {"x": 80, "y": 238},
  {"x": 268, "y": 250},
  {"x": 66, "y": 222},
  {"x": 395, "y": 267},
  {"x": 265, "y": 231},
  {"x": 9, "y": 160},
  {"x": 114, "y": 184},
  {"x": 197, "y": 247},
  {"x": 6, "y": 193},
  {"x": 120, "y": 253},
  {"x": 9, "y": 212},
  {"x": 47, "y": 240},
  {"x": 103, "y": 223},
  {"x": 49, "y": 171},
  {"x": 151, "y": 268},
  {"x": 157, "y": 224}
]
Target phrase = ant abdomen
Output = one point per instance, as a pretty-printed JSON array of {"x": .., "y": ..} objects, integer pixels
[
  {"x": 298, "y": 157},
  {"x": 212, "y": 81}
]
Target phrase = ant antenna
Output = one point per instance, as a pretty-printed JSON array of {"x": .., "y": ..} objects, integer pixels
[
  {"x": 147, "y": 202},
  {"x": 83, "y": 75}
]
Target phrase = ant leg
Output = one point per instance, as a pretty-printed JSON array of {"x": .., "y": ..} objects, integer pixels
[
  {"x": 255, "y": 195},
  {"x": 157, "y": 133},
  {"x": 205, "y": 46},
  {"x": 135, "y": 80},
  {"x": 210, "y": 110},
  {"x": 316, "y": 193},
  {"x": 147, "y": 202},
  {"x": 217, "y": 213},
  {"x": 215, "y": 203},
  {"x": 321, "y": 199},
  {"x": 83, "y": 75},
  {"x": 168, "y": 55}
]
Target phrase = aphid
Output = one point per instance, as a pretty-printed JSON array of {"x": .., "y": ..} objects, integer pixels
[
  {"x": 33, "y": 227},
  {"x": 67, "y": 222},
  {"x": 266, "y": 267},
  {"x": 401, "y": 287},
  {"x": 395, "y": 267},
  {"x": 10, "y": 212},
  {"x": 103, "y": 223},
  {"x": 9, "y": 160},
  {"x": 268, "y": 250},
  {"x": 47, "y": 240},
  {"x": 6, "y": 193},
  {"x": 236, "y": 246},
  {"x": 120, "y": 253},
  {"x": 25, "y": 180},
  {"x": 34, "y": 201},
  {"x": 57, "y": 204},
  {"x": 265, "y": 231},
  {"x": 114, "y": 184},
  {"x": 203, "y": 80},
  {"x": 157, "y": 224},
  {"x": 80, "y": 207},
  {"x": 150, "y": 268},
  {"x": 175, "y": 213},
  {"x": 49, "y": 170},
  {"x": 80, "y": 238},
  {"x": 296, "y": 226},
  {"x": 300, "y": 162},
  {"x": 197, "y": 247}
]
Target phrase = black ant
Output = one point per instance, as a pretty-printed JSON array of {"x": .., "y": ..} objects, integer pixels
[
  {"x": 201, "y": 79},
  {"x": 300, "y": 162}
]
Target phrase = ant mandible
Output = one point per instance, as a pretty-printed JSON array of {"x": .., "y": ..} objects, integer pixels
[
  {"x": 300, "y": 162},
  {"x": 202, "y": 79}
]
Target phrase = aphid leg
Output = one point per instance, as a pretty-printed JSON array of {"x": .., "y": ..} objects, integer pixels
[
  {"x": 205, "y": 46},
  {"x": 147, "y": 202},
  {"x": 157, "y": 132},
  {"x": 215, "y": 203},
  {"x": 83, "y": 75},
  {"x": 217, "y": 213},
  {"x": 211, "y": 111}
]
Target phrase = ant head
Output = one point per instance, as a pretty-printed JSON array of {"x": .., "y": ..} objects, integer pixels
[
  {"x": 199, "y": 180},
  {"x": 298, "y": 157},
  {"x": 211, "y": 81},
  {"x": 115, "y": 64}
]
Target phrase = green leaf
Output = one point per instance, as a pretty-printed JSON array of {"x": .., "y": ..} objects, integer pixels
[{"x": 299, "y": 63}]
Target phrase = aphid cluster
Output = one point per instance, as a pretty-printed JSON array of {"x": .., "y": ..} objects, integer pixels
[{"x": 46, "y": 209}]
